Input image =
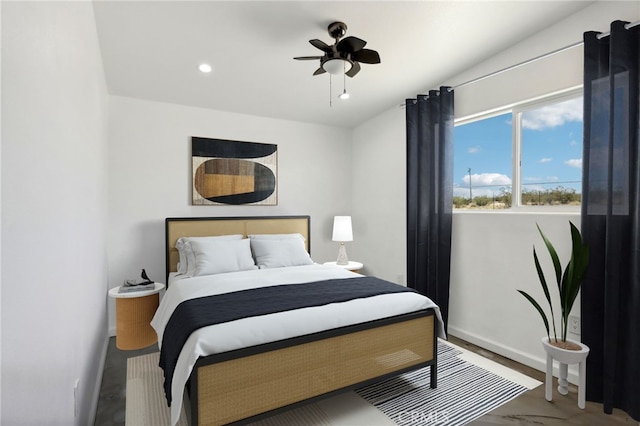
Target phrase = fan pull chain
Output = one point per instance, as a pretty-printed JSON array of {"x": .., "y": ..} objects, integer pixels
[
  {"x": 344, "y": 76},
  {"x": 344, "y": 94}
]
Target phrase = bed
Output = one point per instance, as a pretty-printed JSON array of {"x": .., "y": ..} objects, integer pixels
[{"x": 255, "y": 375}]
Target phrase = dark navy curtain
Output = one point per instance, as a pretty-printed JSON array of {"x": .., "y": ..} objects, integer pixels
[
  {"x": 610, "y": 297},
  {"x": 430, "y": 194}
]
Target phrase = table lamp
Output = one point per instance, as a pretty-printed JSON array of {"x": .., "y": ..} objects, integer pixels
[{"x": 342, "y": 232}]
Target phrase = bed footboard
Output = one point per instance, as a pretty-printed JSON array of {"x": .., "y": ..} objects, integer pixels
[{"x": 243, "y": 385}]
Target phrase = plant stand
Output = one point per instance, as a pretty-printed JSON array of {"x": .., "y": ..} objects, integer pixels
[{"x": 564, "y": 358}]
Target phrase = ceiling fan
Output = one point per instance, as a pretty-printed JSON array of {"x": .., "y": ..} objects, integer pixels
[{"x": 345, "y": 55}]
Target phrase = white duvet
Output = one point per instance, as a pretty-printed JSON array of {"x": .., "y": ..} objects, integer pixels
[{"x": 268, "y": 328}]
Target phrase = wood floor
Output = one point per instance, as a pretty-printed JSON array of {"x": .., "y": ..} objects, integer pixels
[{"x": 530, "y": 408}]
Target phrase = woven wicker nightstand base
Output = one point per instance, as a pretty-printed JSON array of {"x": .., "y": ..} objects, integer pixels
[{"x": 133, "y": 318}]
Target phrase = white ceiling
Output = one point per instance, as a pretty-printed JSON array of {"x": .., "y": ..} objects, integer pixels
[{"x": 151, "y": 50}]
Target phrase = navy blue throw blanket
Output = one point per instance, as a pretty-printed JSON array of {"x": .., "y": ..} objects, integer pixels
[{"x": 193, "y": 314}]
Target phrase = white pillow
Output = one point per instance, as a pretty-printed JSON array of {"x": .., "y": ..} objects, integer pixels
[
  {"x": 276, "y": 236},
  {"x": 190, "y": 258},
  {"x": 182, "y": 263},
  {"x": 186, "y": 264},
  {"x": 219, "y": 256},
  {"x": 278, "y": 253}
]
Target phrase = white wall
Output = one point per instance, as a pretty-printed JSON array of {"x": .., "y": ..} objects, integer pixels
[
  {"x": 0, "y": 229},
  {"x": 551, "y": 74},
  {"x": 54, "y": 112},
  {"x": 491, "y": 253},
  {"x": 492, "y": 257},
  {"x": 379, "y": 196},
  {"x": 150, "y": 177}
]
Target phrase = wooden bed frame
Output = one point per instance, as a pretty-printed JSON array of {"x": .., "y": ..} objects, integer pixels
[{"x": 245, "y": 385}]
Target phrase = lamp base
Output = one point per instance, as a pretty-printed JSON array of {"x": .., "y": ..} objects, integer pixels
[{"x": 342, "y": 255}]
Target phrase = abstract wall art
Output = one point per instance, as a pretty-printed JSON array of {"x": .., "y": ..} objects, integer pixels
[{"x": 229, "y": 172}]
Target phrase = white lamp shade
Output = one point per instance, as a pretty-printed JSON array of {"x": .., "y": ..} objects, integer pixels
[
  {"x": 342, "y": 229},
  {"x": 336, "y": 66}
]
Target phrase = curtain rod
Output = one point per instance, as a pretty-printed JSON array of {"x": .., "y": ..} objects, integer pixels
[{"x": 537, "y": 58}]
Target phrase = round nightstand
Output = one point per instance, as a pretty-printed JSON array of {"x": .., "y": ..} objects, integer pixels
[
  {"x": 134, "y": 311},
  {"x": 351, "y": 266}
]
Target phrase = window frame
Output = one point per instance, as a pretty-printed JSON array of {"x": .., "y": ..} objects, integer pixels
[{"x": 516, "y": 110}]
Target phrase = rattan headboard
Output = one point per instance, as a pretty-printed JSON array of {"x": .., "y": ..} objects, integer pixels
[{"x": 177, "y": 227}]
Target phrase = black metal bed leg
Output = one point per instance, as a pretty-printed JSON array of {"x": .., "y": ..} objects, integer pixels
[{"x": 434, "y": 376}]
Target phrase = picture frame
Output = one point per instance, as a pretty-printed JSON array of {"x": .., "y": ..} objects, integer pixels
[{"x": 228, "y": 172}]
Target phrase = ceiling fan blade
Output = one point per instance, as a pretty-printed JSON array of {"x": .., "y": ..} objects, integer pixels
[
  {"x": 319, "y": 71},
  {"x": 350, "y": 44},
  {"x": 366, "y": 56},
  {"x": 307, "y": 58},
  {"x": 320, "y": 45},
  {"x": 354, "y": 70}
]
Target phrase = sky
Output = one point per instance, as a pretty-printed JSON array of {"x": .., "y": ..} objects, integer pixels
[{"x": 551, "y": 151}]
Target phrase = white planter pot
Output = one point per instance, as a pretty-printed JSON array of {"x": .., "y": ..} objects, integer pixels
[{"x": 564, "y": 358}]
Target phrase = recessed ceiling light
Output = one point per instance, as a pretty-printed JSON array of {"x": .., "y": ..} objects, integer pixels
[{"x": 205, "y": 68}]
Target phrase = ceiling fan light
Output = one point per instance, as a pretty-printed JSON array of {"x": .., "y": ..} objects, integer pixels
[
  {"x": 336, "y": 66},
  {"x": 344, "y": 95},
  {"x": 205, "y": 68}
]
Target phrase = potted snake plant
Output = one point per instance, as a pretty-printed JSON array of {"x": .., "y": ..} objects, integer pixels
[{"x": 568, "y": 282}]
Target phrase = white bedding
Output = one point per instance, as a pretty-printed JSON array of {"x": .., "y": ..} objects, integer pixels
[{"x": 268, "y": 328}]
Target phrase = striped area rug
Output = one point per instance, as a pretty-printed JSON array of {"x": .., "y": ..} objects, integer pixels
[
  {"x": 146, "y": 404},
  {"x": 465, "y": 392}
]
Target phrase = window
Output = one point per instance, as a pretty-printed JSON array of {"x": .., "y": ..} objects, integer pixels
[
  {"x": 529, "y": 155},
  {"x": 482, "y": 163}
]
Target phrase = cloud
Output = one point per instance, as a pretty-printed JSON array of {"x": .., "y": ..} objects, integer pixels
[
  {"x": 482, "y": 184},
  {"x": 460, "y": 192},
  {"x": 473, "y": 150},
  {"x": 574, "y": 162},
  {"x": 487, "y": 179},
  {"x": 553, "y": 115},
  {"x": 545, "y": 160}
]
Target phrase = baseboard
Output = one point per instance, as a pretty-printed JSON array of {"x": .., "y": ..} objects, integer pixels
[
  {"x": 96, "y": 391},
  {"x": 527, "y": 359}
]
